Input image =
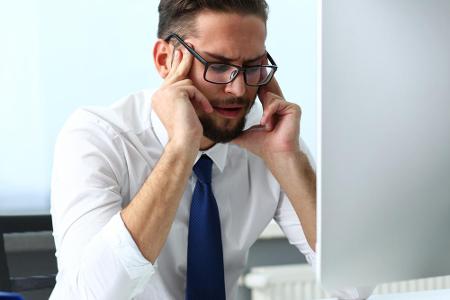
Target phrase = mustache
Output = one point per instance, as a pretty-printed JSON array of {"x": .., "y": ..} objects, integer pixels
[{"x": 231, "y": 101}]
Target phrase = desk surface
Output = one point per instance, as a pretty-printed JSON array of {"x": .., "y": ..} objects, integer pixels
[{"x": 426, "y": 295}]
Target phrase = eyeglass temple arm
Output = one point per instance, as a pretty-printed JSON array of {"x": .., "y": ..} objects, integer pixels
[
  {"x": 271, "y": 60},
  {"x": 180, "y": 40}
]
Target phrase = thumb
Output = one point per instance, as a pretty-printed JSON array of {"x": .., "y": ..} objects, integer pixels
[{"x": 247, "y": 137}]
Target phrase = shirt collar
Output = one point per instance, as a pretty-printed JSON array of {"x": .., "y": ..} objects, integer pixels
[{"x": 217, "y": 153}]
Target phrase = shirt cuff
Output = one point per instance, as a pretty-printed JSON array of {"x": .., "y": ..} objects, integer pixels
[{"x": 128, "y": 253}]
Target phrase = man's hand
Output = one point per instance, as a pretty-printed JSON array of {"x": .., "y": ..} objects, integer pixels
[
  {"x": 149, "y": 216},
  {"x": 276, "y": 141},
  {"x": 175, "y": 100},
  {"x": 279, "y": 127}
]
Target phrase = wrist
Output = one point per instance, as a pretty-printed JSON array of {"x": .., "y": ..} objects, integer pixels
[
  {"x": 184, "y": 146},
  {"x": 281, "y": 160},
  {"x": 275, "y": 158}
]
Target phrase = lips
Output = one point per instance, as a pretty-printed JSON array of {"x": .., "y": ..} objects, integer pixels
[{"x": 228, "y": 111}]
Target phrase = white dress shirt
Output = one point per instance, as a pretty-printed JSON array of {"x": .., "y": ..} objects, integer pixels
[{"x": 102, "y": 158}]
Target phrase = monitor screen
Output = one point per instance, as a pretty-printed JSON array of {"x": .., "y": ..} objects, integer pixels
[{"x": 384, "y": 141}]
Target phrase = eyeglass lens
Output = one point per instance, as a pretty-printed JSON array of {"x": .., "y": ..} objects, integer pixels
[{"x": 223, "y": 73}]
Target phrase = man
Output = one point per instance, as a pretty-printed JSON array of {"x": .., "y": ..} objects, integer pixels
[{"x": 161, "y": 195}]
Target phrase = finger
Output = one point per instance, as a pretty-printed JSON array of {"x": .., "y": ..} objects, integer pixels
[
  {"x": 254, "y": 128},
  {"x": 175, "y": 61},
  {"x": 184, "y": 67},
  {"x": 181, "y": 66},
  {"x": 268, "y": 98},
  {"x": 271, "y": 87},
  {"x": 184, "y": 82},
  {"x": 248, "y": 137},
  {"x": 269, "y": 112},
  {"x": 197, "y": 98},
  {"x": 274, "y": 87}
]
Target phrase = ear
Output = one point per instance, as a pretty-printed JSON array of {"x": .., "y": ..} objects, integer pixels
[{"x": 162, "y": 57}]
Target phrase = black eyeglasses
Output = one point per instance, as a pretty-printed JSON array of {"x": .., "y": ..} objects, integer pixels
[{"x": 222, "y": 73}]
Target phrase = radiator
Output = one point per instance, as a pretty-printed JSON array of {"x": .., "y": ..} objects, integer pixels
[{"x": 297, "y": 282}]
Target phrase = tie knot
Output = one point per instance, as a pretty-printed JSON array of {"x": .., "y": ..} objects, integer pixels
[{"x": 203, "y": 168}]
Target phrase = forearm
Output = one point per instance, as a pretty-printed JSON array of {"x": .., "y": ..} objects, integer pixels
[
  {"x": 150, "y": 214},
  {"x": 298, "y": 180}
]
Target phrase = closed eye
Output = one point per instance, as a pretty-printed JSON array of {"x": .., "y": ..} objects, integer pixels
[{"x": 220, "y": 68}]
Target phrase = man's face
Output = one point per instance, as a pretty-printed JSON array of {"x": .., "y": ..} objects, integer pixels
[{"x": 226, "y": 38}]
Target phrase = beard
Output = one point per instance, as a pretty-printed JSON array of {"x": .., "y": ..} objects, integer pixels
[{"x": 225, "y": 133}]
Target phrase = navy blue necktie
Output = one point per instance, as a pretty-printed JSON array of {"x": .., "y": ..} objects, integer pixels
[{"x": 204, "y": 275}]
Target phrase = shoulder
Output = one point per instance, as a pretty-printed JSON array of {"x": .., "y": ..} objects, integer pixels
[
  {"x": 130, "y": 114},
  {"x": 105, "y": 131}
]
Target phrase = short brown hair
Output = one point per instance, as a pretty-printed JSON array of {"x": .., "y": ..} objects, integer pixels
[{"x": 179, "y": 15}]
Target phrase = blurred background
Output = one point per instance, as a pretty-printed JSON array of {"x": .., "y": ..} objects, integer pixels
[{"x": 56, "y": 56}]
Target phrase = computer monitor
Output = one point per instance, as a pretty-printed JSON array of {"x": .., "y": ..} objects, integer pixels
[{"x": 384, "y": 141}]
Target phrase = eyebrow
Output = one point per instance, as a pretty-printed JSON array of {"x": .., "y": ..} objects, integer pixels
[{"x": 229, "y": 60}]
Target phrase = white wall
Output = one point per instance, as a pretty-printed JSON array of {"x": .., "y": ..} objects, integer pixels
[{"x": 58, "y": 55}]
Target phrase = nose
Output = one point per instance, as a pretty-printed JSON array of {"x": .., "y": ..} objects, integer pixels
[{"x": 237, "y": 87}]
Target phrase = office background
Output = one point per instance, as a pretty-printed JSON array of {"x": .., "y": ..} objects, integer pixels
[{"x": 56, "y": 56}]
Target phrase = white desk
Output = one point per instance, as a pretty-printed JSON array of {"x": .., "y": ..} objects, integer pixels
[{"x": 427, "y": 295}]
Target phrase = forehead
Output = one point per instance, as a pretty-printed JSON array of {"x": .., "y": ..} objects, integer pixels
[{"x": 229, "y": 34}]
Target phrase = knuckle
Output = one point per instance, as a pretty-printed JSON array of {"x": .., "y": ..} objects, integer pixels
[
  {"x": 183, "y": 93},
  {"x": 297, "y": 108},
  {"x": 186, "y": 81}
]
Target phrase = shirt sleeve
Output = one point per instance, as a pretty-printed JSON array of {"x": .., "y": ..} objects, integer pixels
[
  {"x": 97, "y": 257},
  {"x": 289, "y": 223}
]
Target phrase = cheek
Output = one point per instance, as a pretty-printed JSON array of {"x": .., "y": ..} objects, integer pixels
[
  {"x": 251, "y": 94},
  {"x": 196, "y": 75},
  {"x": 196, "y": 72}
]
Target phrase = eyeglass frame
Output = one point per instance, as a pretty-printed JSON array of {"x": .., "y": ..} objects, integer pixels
[{"x": 240, "y": 69}]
